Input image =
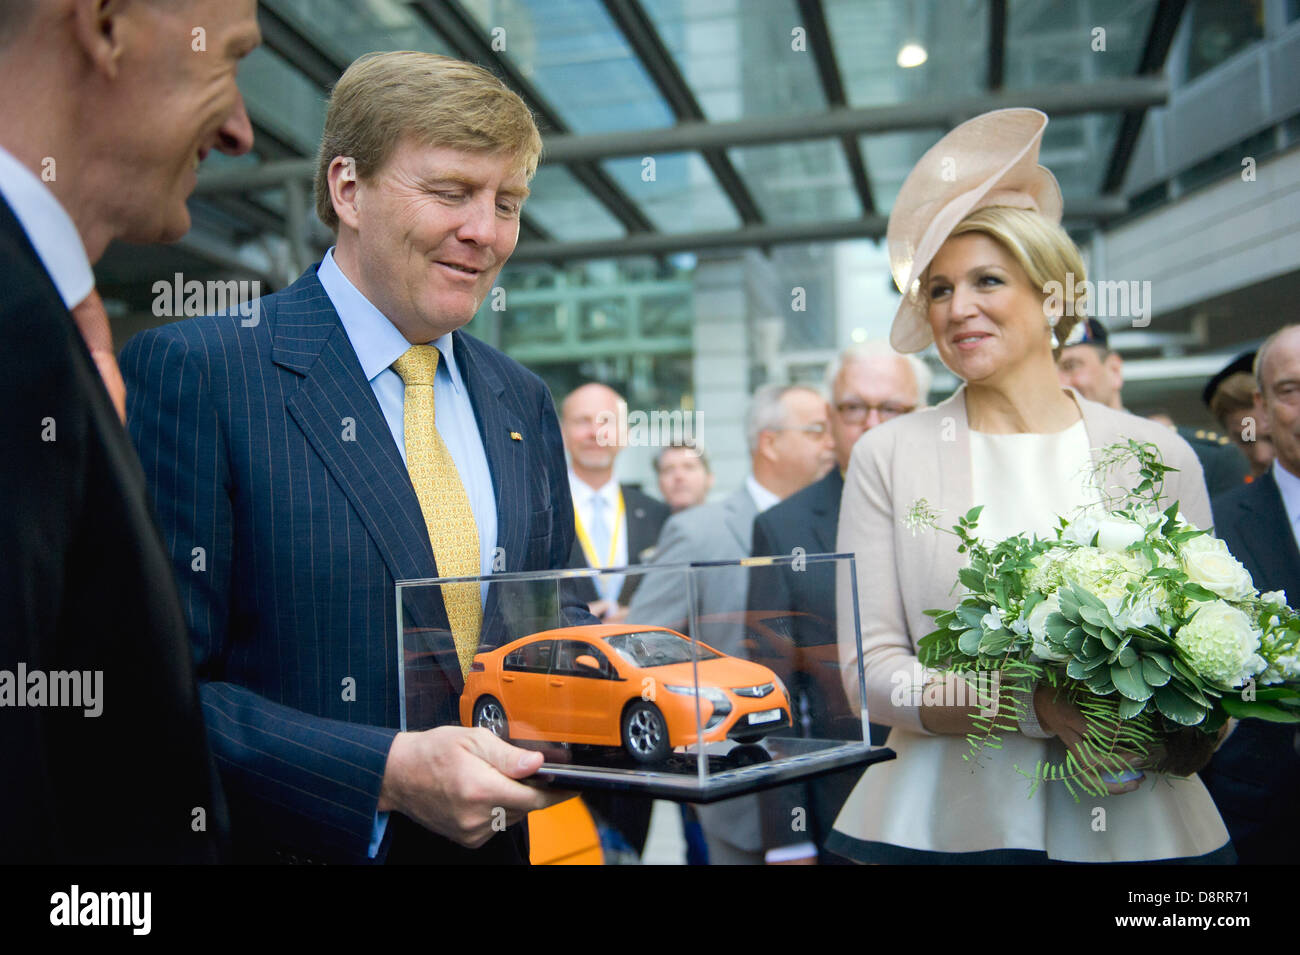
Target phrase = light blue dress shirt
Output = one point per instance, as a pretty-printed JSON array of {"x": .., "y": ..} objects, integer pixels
[
  {"x": 378, "y": 344},
  {"x": 49, "y": 229}
]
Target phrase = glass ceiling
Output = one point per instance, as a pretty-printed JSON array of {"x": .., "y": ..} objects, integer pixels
[{"x": 741, "y": 62}]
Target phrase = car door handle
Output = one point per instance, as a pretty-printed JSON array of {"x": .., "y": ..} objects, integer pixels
[
  {"x": 557, "y": 683},
  {"x": 507, "y": 679}
]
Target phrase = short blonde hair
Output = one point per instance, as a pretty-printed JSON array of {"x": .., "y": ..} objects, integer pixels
[
  {"x": 1040, "y": 247},
  {"x": 384, "y": 98}
]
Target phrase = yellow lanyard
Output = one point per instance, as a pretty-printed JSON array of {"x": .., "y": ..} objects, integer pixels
[{"x": 588, "y": 549}]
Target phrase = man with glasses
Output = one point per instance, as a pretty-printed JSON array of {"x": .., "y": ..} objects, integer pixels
[
  {"x": 868, "y": 384},
  {"x": 790, "y": 447}
]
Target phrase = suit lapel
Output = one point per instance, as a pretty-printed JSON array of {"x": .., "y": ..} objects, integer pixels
[
  {"x": 826, "y": 512},
  {"x": 1271, "y": 544},
  {"x": 340, "y": 417}
]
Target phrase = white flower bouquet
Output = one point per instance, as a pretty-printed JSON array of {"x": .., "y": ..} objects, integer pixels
[{"x": 1150, "y": 627}]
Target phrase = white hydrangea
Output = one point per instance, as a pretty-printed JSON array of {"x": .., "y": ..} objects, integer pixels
[
  {"x": 1221, "y": 644},
  {"x": 1103, "y": 573},
  {"x": 1046, "y": 574}
]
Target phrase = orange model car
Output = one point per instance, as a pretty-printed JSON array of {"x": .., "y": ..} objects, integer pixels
[{"x": 619, "y": 685}]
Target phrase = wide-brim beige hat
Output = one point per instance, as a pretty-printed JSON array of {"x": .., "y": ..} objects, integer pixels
[{"x": 991, "y": 160}]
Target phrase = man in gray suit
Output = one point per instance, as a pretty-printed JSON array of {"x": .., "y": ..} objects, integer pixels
[{"x": 790, "y": 447}]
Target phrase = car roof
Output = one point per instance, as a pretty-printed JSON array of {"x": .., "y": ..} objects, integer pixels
[{"x": 600, "y": 631}]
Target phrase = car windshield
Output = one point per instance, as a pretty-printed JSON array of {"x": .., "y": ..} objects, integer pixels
[{"x": 655, "y": 648}]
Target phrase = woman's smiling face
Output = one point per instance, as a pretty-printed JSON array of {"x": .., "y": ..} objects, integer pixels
[{"x": 986, "y": 316}]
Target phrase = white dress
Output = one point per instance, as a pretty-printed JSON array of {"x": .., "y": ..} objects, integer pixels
[{"x": 931, "y": 805}]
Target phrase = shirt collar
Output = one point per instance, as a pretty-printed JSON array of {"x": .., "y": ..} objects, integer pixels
[
  {"x": 584, "y": 492},
  {"x": 49, "y": 228},
  {"x": 1288, "y": 485},
  {"x": 763, "y": 498},
  {"x": 374, "y": 338}
]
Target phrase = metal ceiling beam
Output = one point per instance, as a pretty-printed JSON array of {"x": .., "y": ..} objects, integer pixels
[
  {"x": 245, "y": 210},
  {"x": 1109, "y": 95},
  {"x": 997, "y": 45},
  {"x": 828, "y": 70},
  {"x": 1164, "y": 24},
  {"x": 465, "y": 37},
  {"x": 283, "y": 38},
  {"x": 641, "y": 35},
  {"x": 272, "y": 145},
  {"x": 1066, "y": 100},
  {"x": 867, "y": 227}
]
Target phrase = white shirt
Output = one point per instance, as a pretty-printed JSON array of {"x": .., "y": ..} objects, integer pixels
[
  {"x": 583, "y": 493},
  {"x": 1288, "y": 485},
  {"x": 763, "y": 498},
  {"x": 49, "y": 228}
]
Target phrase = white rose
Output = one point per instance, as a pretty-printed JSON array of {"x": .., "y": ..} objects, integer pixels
[
  {"x": 1082, "y": 529},
  {"x": 1209, "y": 563},
  {"x": 1038, "y": 628},
  {"x": 1274, "y": 597},
  {"x": 1114, "y": 533}
]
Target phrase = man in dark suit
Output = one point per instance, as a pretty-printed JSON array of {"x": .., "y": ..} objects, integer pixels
[
  {"x": 618, "y": 524},
  {"x": 101, "y": 127},
  {"x": 867, "y": 385},
  {"x": 346, "y": 436},
  {"x": 1255, "y": 776}
]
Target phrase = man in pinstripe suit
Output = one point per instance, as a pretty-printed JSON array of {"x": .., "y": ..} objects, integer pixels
[{"x": 274, "y": 445}]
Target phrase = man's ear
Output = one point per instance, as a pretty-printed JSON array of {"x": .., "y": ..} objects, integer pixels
[
  {"x": 342, "y": 180},
  {"x": 1115, "y": 363},
  {"x": 101, "y": 28}
]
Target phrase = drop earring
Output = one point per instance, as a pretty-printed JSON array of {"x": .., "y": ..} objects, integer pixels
[{"x": 1051, "y": 323}]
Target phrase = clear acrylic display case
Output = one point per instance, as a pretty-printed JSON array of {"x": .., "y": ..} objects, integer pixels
[{"x": 713, "y": 679}]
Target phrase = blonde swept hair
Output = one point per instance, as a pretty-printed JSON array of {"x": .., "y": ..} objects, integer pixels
[
  {"x": 1040, "y": 247},
  {"x": 384, "y": 98}
]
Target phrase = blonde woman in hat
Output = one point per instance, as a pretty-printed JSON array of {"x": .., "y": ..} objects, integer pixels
[{"x": 974, "y": 241}]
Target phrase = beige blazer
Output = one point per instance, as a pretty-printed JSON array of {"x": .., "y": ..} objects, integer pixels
[{"x": 900, "y": 575}]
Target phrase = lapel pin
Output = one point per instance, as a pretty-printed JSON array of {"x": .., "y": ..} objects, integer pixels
[{"x": 516, "y": 436}]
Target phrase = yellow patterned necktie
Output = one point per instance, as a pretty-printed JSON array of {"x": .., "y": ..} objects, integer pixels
[{"x": 453, "y": 532}]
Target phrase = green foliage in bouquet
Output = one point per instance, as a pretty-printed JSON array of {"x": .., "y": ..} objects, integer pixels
[{"x": 1152, "y": 629}]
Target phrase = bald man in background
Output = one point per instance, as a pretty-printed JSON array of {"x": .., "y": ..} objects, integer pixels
[
  {"x": 106, "y": 114},
  {"x": 618, "y": 524}
]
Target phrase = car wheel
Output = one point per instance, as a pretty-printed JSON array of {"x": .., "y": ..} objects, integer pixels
[
  {"x": 489, "y": 714},
  {"x": 645, "y": 734},
  {"x": 749, "y": 740}
]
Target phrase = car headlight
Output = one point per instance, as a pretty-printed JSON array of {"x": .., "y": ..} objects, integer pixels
[
  {"x": 721, "y": 705},
  {"x": 753, "y": 691}
]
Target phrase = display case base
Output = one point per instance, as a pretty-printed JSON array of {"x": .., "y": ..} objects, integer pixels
[{"x": 733, "y": 769}]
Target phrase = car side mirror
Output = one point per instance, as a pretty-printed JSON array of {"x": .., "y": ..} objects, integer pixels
[{"x": 587, "y": 662}]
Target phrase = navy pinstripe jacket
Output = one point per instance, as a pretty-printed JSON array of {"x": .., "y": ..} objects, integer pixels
[{"x": 288, "y": 514}]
